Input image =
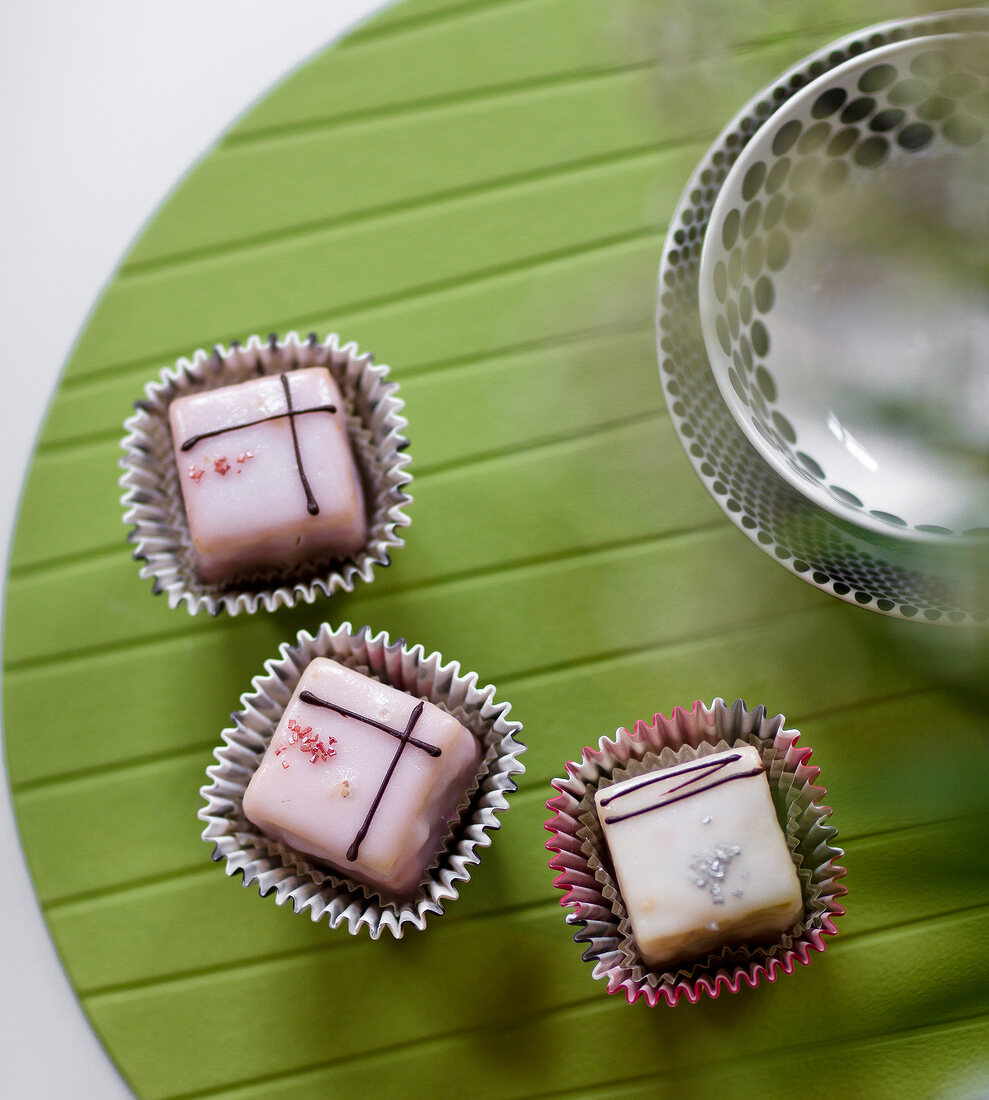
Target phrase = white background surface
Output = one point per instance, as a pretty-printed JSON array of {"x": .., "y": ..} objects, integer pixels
[{"x": 103, "y": 108}]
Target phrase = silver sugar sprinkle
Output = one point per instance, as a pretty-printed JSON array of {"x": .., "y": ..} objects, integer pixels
[
  {"x": 708, "y": 870},
  {"x": 706, "y": 820}
]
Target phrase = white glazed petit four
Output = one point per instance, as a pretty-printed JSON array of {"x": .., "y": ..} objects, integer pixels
[
  {"x": 267, "y": 474},
  {"x": 362, "y": 777},
  {"x": 699, "y": 855}
]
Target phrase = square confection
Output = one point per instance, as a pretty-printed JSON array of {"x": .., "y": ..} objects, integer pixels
[
  {"x": 267, "y": 474},
  {"x": 700, "y": 857},
  {"x": 362, "y": 777}
]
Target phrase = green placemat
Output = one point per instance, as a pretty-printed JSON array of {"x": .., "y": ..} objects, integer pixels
[{"x": 478, "y": 193}]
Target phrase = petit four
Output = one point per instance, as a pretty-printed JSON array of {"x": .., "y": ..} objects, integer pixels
[
  {"x": 267, "y": 474},
  {"x": 362, "y": 777},
  {"x": 699, "y": 855}
]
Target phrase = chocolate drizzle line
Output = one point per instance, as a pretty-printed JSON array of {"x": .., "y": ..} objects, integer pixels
[
  {"x": 672, "y": 773},
  {"x": 311, "y": 506},
  {"x": 315, "y": 701},
  {"x": 405, "y": 738},
  {"x": 706, "y": 768}
]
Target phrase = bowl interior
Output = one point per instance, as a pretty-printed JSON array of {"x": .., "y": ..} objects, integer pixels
[{"x": 844, "y": 290}]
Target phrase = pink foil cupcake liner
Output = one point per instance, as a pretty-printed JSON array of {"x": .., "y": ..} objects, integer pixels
[
  {"x": 273, "y": 867},
  {"x": 590, "y": 888},
  {"x": 152, "y": 497}
]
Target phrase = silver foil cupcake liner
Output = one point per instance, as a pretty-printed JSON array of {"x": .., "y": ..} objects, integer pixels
[
  {"x": 152, "y": 496},
  {"x": 591, "y": 890},
  {"x": 274, "y": 867}
]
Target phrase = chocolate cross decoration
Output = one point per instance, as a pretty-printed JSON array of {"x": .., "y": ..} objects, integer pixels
[
  {"x": 404, "y": 738},
  {"x": 311, "y": 506}
]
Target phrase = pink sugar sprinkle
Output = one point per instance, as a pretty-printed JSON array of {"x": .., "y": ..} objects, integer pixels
[
  {"x": 308, "y": 741},
  {"x": 221, "y": 466}
]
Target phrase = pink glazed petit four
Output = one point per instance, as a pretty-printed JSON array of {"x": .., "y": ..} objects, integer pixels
[
  {"x": 267, "y": 474},
  {"x": 362, "y": 777}
]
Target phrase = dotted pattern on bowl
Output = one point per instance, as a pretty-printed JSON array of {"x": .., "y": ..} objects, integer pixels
[
  {"x": 836, "y": 557},
  {"x": 936, "y": 93}
]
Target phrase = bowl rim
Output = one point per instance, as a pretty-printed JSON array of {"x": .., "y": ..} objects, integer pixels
[
  {"x": 707, "y": 303},
  {"x": 910, "y": 587}
]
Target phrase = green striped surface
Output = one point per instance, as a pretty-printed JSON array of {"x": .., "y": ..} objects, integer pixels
[{"x": 478, "y": 193}]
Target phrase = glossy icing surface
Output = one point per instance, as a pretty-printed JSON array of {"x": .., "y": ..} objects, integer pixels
[
  {"x": 267, "y": 474},
  {"x": 699, "y": 855},
  {"x": 362, "y": 776}
]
